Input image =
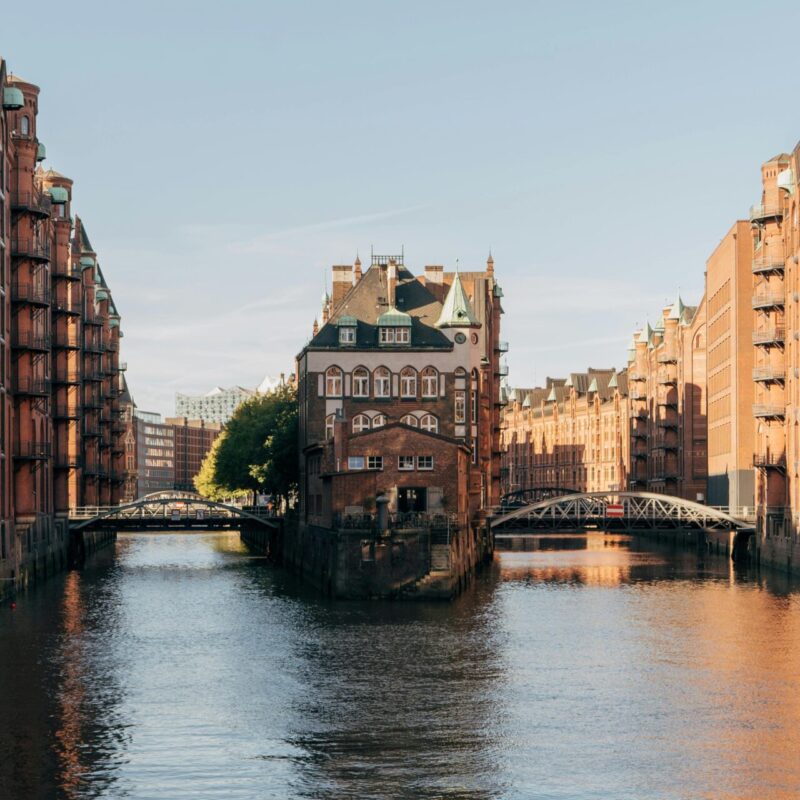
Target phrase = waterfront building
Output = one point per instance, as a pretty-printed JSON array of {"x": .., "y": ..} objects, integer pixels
[
  {"x": 570, "y": 434},
  {"x": 731, "y": 373},
  {"x": 399, "y": 394},
  {"x": 193, "y": 439},
  {"x": 59, "y": 345}
]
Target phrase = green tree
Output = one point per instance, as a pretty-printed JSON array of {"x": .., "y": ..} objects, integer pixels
[{"x": 257, "y": 452}]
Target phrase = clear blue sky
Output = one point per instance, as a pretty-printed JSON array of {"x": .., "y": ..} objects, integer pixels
[{"x": 225, "y": 154}]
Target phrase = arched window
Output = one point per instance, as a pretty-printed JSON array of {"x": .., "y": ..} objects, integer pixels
[
  {"x": 360, "y": 382},
  {"x": 360, "y": 423},
  {"x": 379, "y": 420},
  {"x": 382, "y": 382},
  {"x": 408, "y": 382},
  {"x": 333, "y": 382},
  {"x": 24, "y": 126},
  {"x": 410, "y": 420},
  {"x": 430, "y": 382},
  {"x": 429, "y": 423},
  {"x": 329, "y": 426}
]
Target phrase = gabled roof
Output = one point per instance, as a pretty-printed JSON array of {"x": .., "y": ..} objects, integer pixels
[{"x": 457, "y": 311}]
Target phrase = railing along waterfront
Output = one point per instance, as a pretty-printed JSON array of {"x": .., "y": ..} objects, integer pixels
[{"x": 399, "y": 520}]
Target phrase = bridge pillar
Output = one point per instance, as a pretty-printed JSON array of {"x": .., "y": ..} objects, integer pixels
[{"x": 740, "y": 552}]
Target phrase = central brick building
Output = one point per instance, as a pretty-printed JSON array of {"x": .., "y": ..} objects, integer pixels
[{"x": 399, "y": 399}]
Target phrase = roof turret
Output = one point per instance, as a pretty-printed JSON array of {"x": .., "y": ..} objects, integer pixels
[{"x": 457, "y": 311}]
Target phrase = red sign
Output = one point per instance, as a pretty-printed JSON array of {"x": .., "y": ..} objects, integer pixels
[{"x": 615, "y": 510}]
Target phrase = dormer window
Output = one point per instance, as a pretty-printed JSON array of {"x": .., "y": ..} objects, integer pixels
[
  {"x": 395, "y": 335},
  {"x": 394, "y": 327},
  {"x": 347, "y": 330}
]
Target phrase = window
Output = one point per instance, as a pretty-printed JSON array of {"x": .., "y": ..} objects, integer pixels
[
  {"x": 429, "y": 423},
  {"x": 355, "y": 462},
  {"x": 374, "y": 462},
  {"x": 379, "y": 420},
  {"x": 473, "y": 399},
  {"x": 410, "y": 420},
  {"x": 347, "y": 335},
  {"x": 395, "y": 335},
  {"x": 333, "y": 382},
  {"x": 360, "y": 382},
  {"x": 460, "y": 406},
  {"x": 430, "y": 382},
  {"x": 408, "y": 382},
  {"x": 329, "y": 426},
  {"x": 405, "y": 463},
  {"x": 360, "y": 423},
  {"x": 474, "y": 450},
  {"x": 382, "y": 380},
  {"x": 24, "y": 126},
  {"x": 424, "y": 462}
]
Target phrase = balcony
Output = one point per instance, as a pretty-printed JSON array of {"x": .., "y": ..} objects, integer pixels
[
  {"x": 69, "y": 271},
  {"x": 768, "y": 411},
  {"x": 637, "y": 433},
  {"x": 91, "y": 430},
  {"x": 91, "y": 468},
  {"x": 67, "y": 461},
  {"x": 66, "y": 411},
  {"x": 769, "y": 461},
  {"x": 668, "y": 402},
  {"x": 768, "y": 264},
  {"x": 667, "y": 380},
  {"x": 769, "y": 300},
  {"x": 667, "y": 356},
  {"x": 664, "y": 474},
  {"x": 638, "y": 394},
  {"x": 762, "y": 213},
  {"x": 30, "y": 341},
  {"x": 94, "y": 347},
  {"x": 769, "y": 337},
  {"x": 112, "y": 346},
  {"x": 93, "y": 402},
  {"x": 501, "y": 370},
  {"x": 32, "y": 451},
  {"x": 667, "y": 444},
  {"x": 640, "y": 413},
  {"x": 34, "y": 387},
  {"x": 66, "y": 341},
  {"x": 31, "y": 294},
  {"x": 667, "y": 424},
  {"x": 66, "y": 377},
  {"x": 118, "y": 477},
  {"x": 30, "y": 248},
  {"x": 95, "y": 376},
  {"x": 637, "y": 376},
  {"x": 501, "y": 347},
  {"x": 94, "y": 319},
  {"x": 641, "y": 455},
  {"x": 769, "y": 374},
  {"x": 66, "y": 304},
  {"x": 34, "y": 203},
  {"x": 123, "y": 365}
]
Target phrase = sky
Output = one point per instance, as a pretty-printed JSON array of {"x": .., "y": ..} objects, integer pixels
[{"x": 226, "y": 154}]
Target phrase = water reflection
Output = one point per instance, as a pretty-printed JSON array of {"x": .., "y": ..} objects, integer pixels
[{"x": 578, "y": 667}]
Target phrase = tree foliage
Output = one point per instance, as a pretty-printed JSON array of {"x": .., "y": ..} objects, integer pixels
[{"x": 257, "y": 451}]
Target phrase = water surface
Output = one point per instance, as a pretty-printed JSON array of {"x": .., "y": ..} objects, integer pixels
[{"x": 180, "y": 666}]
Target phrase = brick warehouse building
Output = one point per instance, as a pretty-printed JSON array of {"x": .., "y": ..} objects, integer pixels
[
  {"x": 399, "y": 399},
  {"x": 61, "y": 434}
]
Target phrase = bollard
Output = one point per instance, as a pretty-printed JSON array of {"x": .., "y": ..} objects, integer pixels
[{"x": 382, "y": 506}]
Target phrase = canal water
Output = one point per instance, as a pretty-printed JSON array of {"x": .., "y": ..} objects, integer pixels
[{"x": 180, "y": 666}]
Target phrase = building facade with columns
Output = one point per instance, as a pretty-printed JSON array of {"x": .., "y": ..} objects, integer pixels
[{"x": 399, "y": 393}]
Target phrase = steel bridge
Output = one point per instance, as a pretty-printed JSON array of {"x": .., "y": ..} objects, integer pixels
[
  {"x": 620, "y": 511},
  {"x": 169, "y": 510}
]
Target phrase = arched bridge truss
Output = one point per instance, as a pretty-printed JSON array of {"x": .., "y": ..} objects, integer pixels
[
  {"x": 621, "y": 511},
  {"x": 169, "y": 511}
]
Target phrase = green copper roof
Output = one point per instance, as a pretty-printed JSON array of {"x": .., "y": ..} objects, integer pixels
[
  {"x": 395, "y": 318},
  {"x": 347, "y": 322},
  {"x": 592, "y": 385},
  {"x": 644, "y": 336},
  {"x": 676, "y": 312},
  {"x": 86, "y": 245},
  {"x": 59, "y": 194},
  {"x": 41, "y": 152},
  {"x": 568, "y": 381},
  {"x": 113, "y": 323},
  {"x": 659, "y": 328},
  {"x": 87, "y": 261},
  {"x": 456, "y": 311},
  {"x": 551, "y": 398},
  {"x": 526, "y": 403},
  {"x": 613, "y": 384},
  {"x": 512, "y": 395},
  {"x": 101, "y": 294},
  {"x": 497, "y": 291},
  {"x": 12, "y": 98}
]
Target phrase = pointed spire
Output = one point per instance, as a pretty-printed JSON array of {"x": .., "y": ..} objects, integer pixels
[
  {"x": 315, "y": 328},
  {"x": 551, "y": 398},
  {"x": 645, "y": 334},
  {"x": 676, "y": 312},
  {"x": 613, "y": 383},
  {"x": 490, "y": 262},
  {"x": 593, "y": 386},
  {"x": 457, "y": 311}
]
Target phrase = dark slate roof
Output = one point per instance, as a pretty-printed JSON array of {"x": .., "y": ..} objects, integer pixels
[
  {"x": 368, "y": 299},
  {"x": 86, "y": 245}
]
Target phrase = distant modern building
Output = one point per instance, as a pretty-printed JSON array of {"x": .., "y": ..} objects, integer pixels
[
  {"x": 193, "y": 439},
  {"x": 219, "y": 404}
]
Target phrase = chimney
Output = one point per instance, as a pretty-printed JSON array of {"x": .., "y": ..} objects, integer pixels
[
  {"x": 356, "y": 270},
  {"x": 342, "y": 281},
  {"x": 392, "y": 282},
  {"x": 434, "y": 280}
]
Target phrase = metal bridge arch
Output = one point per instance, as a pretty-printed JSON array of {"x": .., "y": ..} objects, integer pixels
[
  {"x": 641, "y": 510},
  {"x": 155, "y": 506}
]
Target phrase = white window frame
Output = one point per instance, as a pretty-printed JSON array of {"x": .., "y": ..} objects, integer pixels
[
  {"x": 386, "y": 335},
  {"x": 405, "y": 463},
  {"x": 460, "y": 407},
  {"x": 347, "y": 335},
  {"x": 362, "y": 421},
  {"x": 375, "y": 462},
  {"x": 329, "y": 420},
  {"x": 402, "y": 335},
  {"x": 382, "y": 376},
  {"x": 429, "y": 423},
  {"x": 430, "y": 382},
  {"x": 360, "y": 382},
  {"x": 355, "y": 462},
  {"x": 410, "y": 420},
  {"x": 333, "y": 379},
  {"x": 379, "y": 420},
  {"x": 408, "y": 383},
  {"x": 424, "y": 465}
]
